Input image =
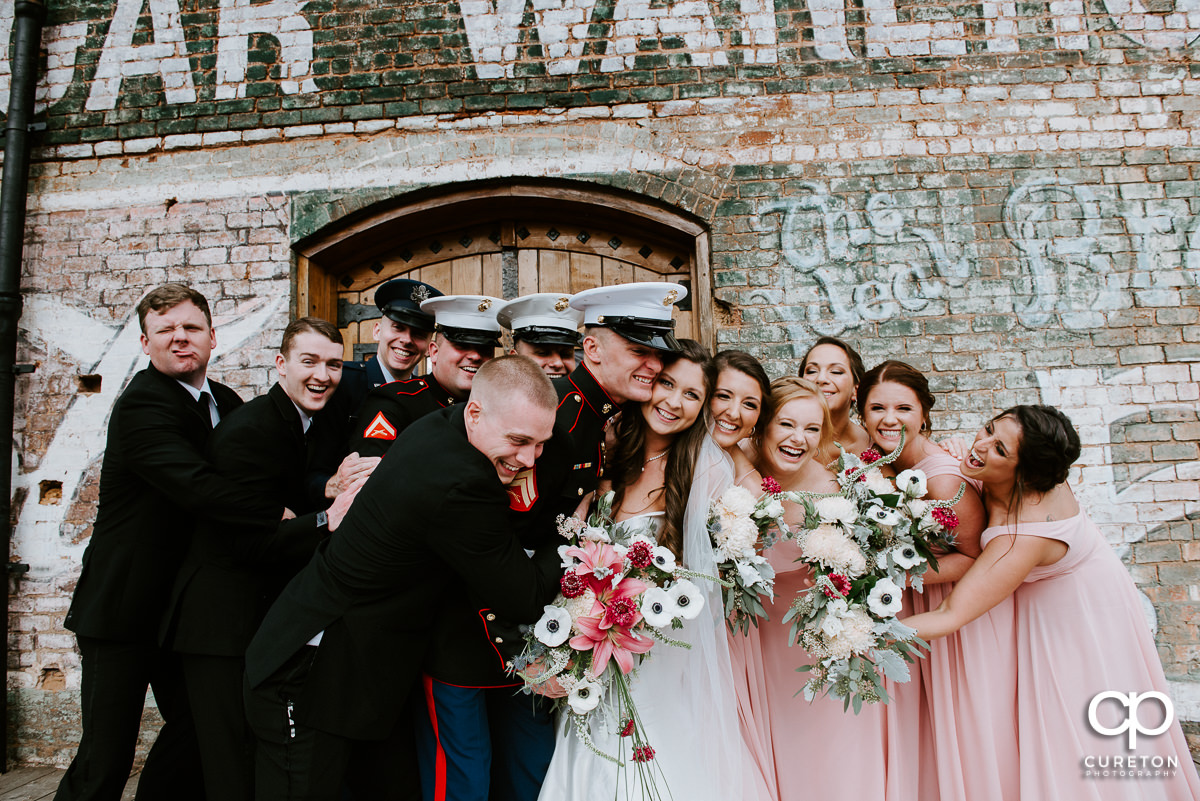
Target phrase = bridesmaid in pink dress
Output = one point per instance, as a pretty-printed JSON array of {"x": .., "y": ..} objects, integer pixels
[
  {"x": 837, "y": 370},
  {"x": 820, "y": 750},
  {"x": 1079, "y": 627},
  {"x": 948, "y": 738},
  {"x": 740, "y": 393}
]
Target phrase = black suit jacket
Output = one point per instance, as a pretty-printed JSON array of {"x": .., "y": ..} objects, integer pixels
[
  {"x": 153, "y": 484},
  {"x": 232, "y": 574},
  {"x": 432, "y": 520}
]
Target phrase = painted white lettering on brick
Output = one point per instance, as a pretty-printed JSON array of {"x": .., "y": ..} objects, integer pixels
[
  {"x": 1056, "y": 224},
  {"x": 281, "y": 19},
  {"x": 62, "y": 42},
  {"x": 166, "y": 56},
  {"x": 1171, "y": 31},
  {"x": 886, "y": 36},
  {"x": 906, "y": 268},
  {"x": 564, "y": 30}
]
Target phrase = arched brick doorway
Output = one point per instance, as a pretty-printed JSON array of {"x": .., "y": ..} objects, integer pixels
[{"x": 504, "y": 240}]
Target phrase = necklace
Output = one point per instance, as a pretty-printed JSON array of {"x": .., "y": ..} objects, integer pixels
[{"x": 653, "y": 458}]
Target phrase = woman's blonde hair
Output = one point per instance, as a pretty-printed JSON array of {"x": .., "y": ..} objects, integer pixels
[{"x": 789, "y": 388}]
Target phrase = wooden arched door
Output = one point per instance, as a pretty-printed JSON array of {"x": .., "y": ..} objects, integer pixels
[{"x": 506, "y": 242}]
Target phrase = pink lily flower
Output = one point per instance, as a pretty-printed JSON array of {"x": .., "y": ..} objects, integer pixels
[
  {"x": 597, "y": 557},
  {"x": 616, "y": 642},
  {"x": 607, "y": 638}
]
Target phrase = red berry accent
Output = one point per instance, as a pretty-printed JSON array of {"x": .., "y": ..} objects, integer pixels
[
  {"x": 627, "y": 729},
  {"x": 643, "y": 753},
  {"x": 870, "y": 455},
  {"x": 621, "y": 612},
  {"x": 771, "y": 486}
]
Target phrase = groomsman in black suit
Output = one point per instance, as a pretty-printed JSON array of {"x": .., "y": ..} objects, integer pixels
[
  {"x": 466, "y": 336},
  {"x": 341, "y": 650},
  {"x": 232, "y": 574},
  {"x": 627, "y": 328},
  {"x": 153, "y": 484},
  {"x": 403, "y": 333}
]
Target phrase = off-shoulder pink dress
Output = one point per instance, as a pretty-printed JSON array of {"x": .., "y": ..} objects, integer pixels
[
  {"x": 1079, "y": 632},
  {"x": 820, "y": 749},
  {"x": 963, "y": 702}
]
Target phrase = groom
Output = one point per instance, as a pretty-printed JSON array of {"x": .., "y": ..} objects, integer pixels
[{"x": 627, "y": 329}]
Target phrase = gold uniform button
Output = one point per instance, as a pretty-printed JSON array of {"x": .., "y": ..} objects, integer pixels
[
  {"x": 491, "y": 618},
  {"x": 575, "y": 398},
  {"x": 499, "y": 640},
  {"x": 581, "y": 490}
]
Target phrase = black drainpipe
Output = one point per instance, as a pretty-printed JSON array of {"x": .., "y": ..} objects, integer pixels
[{"x": 27, "y": 39}]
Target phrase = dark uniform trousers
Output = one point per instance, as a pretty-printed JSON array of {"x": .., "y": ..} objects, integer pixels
[{"x": 152, "y": 483}]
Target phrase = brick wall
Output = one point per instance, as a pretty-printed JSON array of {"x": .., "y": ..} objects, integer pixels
[{"x": 1003, "y": 195}]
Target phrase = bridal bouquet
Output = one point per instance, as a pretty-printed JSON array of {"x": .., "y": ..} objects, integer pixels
[
  {"x": 740, "y": 526},
  {"x": 863, "y": 546},
  {"x": 619, "y": 593}
]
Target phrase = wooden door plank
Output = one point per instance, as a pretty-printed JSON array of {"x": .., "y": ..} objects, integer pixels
[
  {"x": 554, "y": 271},
  {"x": 527, "y": 272},
  {"x": 466, "y": 277},
  {"x": 493, "y": 274},
  {"x": 586, "y": 271},
  {"x": 615, "y": 272}
]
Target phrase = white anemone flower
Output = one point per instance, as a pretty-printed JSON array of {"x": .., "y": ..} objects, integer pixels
[
  {"x": 568, "y": 562},
  {"x": 554, "y": 628},
  {"x": 884, "y": 600},
  {"x": 906, "y": 556},
  {"x": 884, "y": 516},
  {"x": 687, "y": 599},
  {"x": 837, "y": 510},
  {"x": 771, "y": 510},
  {"x": 912, "y": 483},
  {"x": 585, "y": 696},
  {"x": 664, "y": 560},
  {"x": 658, "y": 607}
]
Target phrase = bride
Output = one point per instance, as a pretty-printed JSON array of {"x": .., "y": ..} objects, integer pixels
[{"x": 664, "y": 472}]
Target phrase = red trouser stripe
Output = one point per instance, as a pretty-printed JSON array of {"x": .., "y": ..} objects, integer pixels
[{"x": 439, "y": 769}]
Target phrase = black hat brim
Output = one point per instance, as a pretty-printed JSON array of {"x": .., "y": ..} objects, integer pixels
[
  {"x": 538, "y": 335},
  {"x": 410, "y": 317},
  {"x": 470, "y": 336},
  {"x": 657, "y": 337}
]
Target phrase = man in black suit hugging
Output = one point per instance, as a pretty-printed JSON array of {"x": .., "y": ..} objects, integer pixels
[
  {"x": 340, "y": 651},
  {"x": 232, "y": 574},
  {"x": 153, "y": 483}
]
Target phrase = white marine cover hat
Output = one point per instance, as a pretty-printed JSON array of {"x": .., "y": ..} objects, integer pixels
[
  {"x": 545, "y": 319},
  {"x": 639, "y": 312},
  {"x": 466, "y": 319}
]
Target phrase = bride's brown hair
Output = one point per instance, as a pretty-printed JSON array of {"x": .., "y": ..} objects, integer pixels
[{"x": 629, "y": 454}]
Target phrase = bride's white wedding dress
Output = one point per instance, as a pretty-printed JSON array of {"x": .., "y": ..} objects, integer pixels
[{"x": 684, "y": 697}]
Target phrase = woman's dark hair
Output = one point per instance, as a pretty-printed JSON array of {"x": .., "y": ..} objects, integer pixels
[
  {"x": 1049, "y": 446},
  {"x": 898, "y": 373},
  {"x": 629, "y": 457},
  {"x": 857, "y": 368},
  {"x": 745, "y": 363}
]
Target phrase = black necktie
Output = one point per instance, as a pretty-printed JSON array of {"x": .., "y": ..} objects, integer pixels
[{"x": 205, "y": 410}]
